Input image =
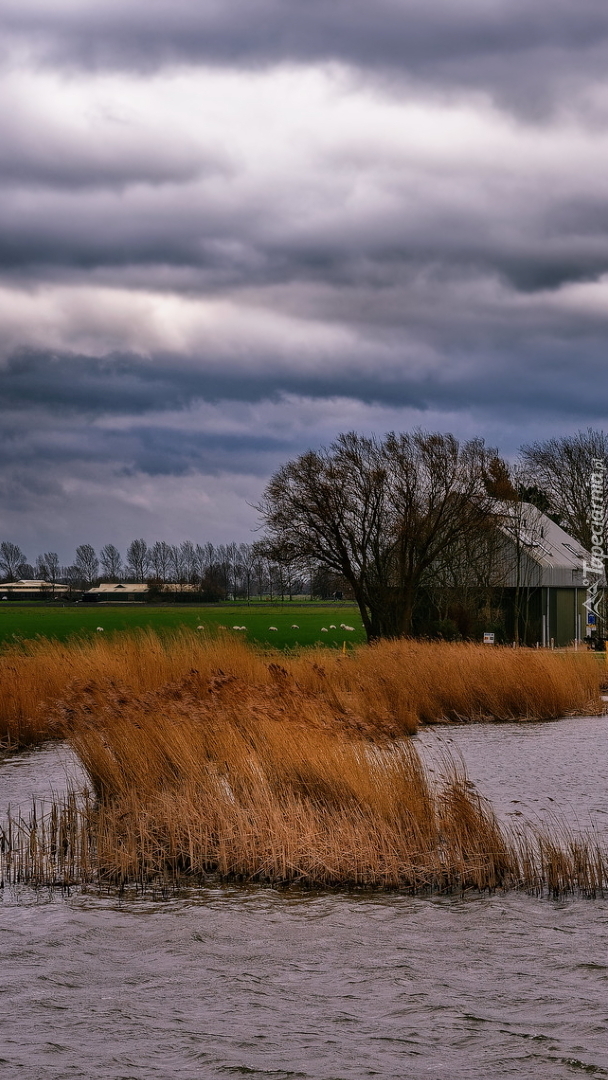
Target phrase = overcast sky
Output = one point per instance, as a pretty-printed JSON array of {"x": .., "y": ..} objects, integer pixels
[{"x": 230, "y": 230}]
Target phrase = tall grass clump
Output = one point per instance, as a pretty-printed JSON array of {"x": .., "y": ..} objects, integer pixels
[
  {"x": 186, "y": 788},
  {"x": 380, "y": 691}
]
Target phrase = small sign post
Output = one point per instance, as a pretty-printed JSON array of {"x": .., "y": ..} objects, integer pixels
[{"x": 488, "y": 639}]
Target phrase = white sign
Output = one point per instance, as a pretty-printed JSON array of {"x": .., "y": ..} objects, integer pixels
[{"x": 488, "y": 639}]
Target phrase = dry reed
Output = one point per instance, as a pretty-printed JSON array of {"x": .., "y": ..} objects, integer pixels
[
  {"x": 186, "y": 789},
  {"x": 382, "y": 692},
  {"x": 208, "y": 756}
]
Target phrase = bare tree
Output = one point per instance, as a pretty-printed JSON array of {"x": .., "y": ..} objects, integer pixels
[
  {"x": 562, "y": 469},
  {"x": 47, "y": 568},
  {"x": 160, "y": 560},
  {"x": 11, "y": 560},
  {"x": 176, "y": 563},
  {"x": 111, "y": 562},
  {"x": 209, "y": 559},
  {"x": 188, "y": 560},
  {"x": 380, "y": 514},
  {"x": 221, "y": 568},
  {"x": 138, "y": 559},
  {"x": 233, "y": 563},
  {"x": 247, "y": 559},
  {"x": 87, "y": 563},
  {"x": 72, "y": 577},
  {"x": 259, "y": 570},
  {"x": 40, "y": 570},
  {"x": 200, "y": 563},
  {"x": 520, "y": 524}
]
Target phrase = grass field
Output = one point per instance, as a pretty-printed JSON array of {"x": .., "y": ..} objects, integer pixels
[{"x": 24, "y": 621}]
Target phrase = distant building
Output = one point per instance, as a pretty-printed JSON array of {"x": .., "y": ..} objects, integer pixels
[
  {"x": 172, "y": 587},
  {"x": 31, "y": 590},
  {"x": 540, "y": 575},
  {"x": 126, "y": 592},
  {"x": 117, "y": 592}
]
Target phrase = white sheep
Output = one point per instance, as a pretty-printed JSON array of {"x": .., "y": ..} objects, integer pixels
[
  {"x": 348, "y": 628},
  {"x": 200, "y": 628},
  {"x": 294, "y": 626},
  {"x": 324, "y": 630},
  {"x": 331, "y": 626},
  {"x": 273, "y": 628},
  {"x": 100, "y": 629}
]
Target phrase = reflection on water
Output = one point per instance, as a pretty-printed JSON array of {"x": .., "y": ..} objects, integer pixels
[{"x": 253, "y": 982}]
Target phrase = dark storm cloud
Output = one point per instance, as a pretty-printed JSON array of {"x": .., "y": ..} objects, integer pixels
[
  {"x": 228, "y": 231},
  {"x": 544, "y": 377},
  {"x": 227, "y": 246},
  {"x": 23, "y": 168},
  {"x": 53, "y": 230},
  {"x": 31, "y": 440},
  {"x": 518, "y": 49},
  {"x": 46, "y": 152}
]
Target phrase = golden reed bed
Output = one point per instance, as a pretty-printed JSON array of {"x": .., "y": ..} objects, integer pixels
[
  {"x": 186, "y": 788},
  {"x": 380, "y": 691},
  {"x": 209, "y": 757}
]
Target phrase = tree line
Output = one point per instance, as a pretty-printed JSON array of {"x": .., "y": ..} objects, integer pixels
[{"x": 217, "y": 571}]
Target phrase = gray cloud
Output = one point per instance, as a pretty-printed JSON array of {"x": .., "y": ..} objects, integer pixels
[
  {"x": 522, "y": 52},
  {"x": 229, "y": 231},
  {"x": 538, "y": 373}
]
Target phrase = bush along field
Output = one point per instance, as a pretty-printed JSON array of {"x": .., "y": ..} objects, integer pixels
[{"x": 286, "y": 625}]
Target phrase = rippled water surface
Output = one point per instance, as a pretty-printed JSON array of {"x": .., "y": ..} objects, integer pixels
[
  {"x": 541, "y": 771},
  {"x": 237, "y": 982}
]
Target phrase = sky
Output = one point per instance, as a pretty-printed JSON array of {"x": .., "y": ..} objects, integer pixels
[{"x": 231, "y": 230}]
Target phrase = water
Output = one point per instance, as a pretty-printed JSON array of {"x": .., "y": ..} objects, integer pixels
[
  {"x": 259, "y": 983},
  {"x": 543, "y": 772},
  {"x": 40, "y": 774}
]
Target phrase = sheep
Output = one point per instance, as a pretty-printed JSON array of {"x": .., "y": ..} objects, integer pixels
[
  {"x": 294, "y": 626},
  {"x": 348, "y": 628},
  {"x": 324, "y": 630},
  {"x": 273, "y": 628},
  {"x": 331, "y": 626},
  {"x": 100, "y": 629}
]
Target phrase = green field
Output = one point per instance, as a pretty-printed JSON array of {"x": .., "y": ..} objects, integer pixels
[{"x": 23, "y": 621}]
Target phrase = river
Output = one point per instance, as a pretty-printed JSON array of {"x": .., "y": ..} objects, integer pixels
[{"x": 321, "y": 986}]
